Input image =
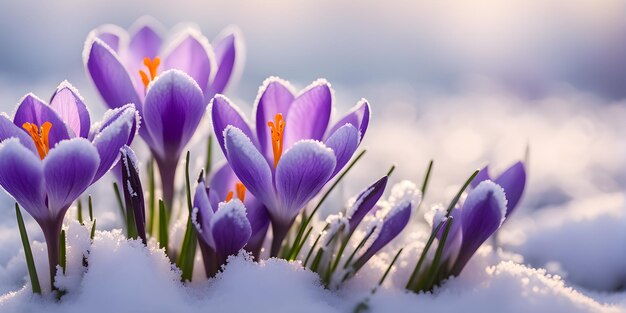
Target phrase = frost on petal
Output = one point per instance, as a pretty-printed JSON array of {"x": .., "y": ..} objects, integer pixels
[
  {"x": 358, "y": 116},
  {"x": 344, "y": 143},
  {"x": 223, "y": 114},
  {"x": 71, "y": 107},
  {"x": 112, "y": 138},
  {"x": 365, "y": 201},
  {"x": 230, "y": 229}
]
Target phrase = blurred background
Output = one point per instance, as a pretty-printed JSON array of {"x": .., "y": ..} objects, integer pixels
[{"x": 466, "y": 83}]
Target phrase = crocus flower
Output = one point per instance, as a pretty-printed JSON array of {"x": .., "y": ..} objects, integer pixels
[
  {"x": 49, "y": 157},
  {"x": 404, "y": 197},
  {"x": 133, "y": 192},
  {"x": 482, "y": 214},
  {"x": 225, "y": 186},
  {"x": 222, "y": 232},
  {"x": 291, "y": 154},
  {"x": 171, "y": 95},
  {"x": 512, "y": 180},
  {"x": 364, "y": 202}
]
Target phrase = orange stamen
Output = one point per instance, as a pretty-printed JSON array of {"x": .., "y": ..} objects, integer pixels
[
  {"x": 277, "y": 128},
  {"x": 40, "y": 137},
  {"x": 241, "y": 191},
  {"x": 229, "y": 196},
  {"x": 152, "y": 65}
]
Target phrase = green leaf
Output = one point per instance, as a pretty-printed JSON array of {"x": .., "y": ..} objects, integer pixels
[
  {"x": 308, "y": 255},
  {"x": 90, "y": 204},
  {"x": 119, "y": 200},
  {"x": 28, "y": 253},
  {"x": 163, "y": 236},
  {"x": 420, "y": 262},
  {"x": 93, "y": 230},
  {"x": 62, "y": 251},
  {"x": 79, "y": 209},
  {"x": 436, "y": 264},
  {"x": 188, "y": 250},
  {"x": 209, "y": 153},
  {"x": 152, "y": 199},
  {"x": 458, "y": 195},
  {"x": 306, "y": 222}
]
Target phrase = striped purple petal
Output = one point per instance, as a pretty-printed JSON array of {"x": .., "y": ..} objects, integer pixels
[{"x": 70, "y": 106}]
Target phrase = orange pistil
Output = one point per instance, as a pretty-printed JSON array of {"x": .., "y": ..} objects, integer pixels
[
  {"x": 241, "y": 192},
  {"x": 152, "y": 66},
  {"x": 277, "y": 127},
  {"x": 39, "y": 136}
]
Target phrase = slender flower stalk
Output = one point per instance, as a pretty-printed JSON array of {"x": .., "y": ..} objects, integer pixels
[
  {"x": 51, "y": 153},
  {"x": 170, "y": 82},
  {"x": 291, "y": 154}
]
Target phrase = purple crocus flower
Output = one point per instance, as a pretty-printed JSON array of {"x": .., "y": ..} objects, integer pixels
[
  {"x": 133, "y": 192},
  {"x": 292, "y": 154},
  {"x": 224, "y": 185},
  {"x": 222, "y": 232},
  {"x": 49, "y": 157},
  {"x": 512, "y": 180},
  {"x": 482, "y": 214},
  {"x": 171, "y": 95},
  {"x": 364, "y": 202}
]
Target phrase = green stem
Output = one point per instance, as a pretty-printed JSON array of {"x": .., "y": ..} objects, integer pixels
[
  {"x": 152, "y": 199},
  {"x": 28, "y": 252},
  {"x": 420, "y": 262}
]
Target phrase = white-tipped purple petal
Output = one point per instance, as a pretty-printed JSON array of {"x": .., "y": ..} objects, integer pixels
[
  {"x": 112, "y": 138},
  {"x": 192, "y": 54},
  {"x": 309, "y": 114},
  {"x": 364, "y": 202},
  {"x": 110, "y": 76},
  {"x": 512, "y": 181},
  {"x": 203, "y": 213},
  {"x": 10, "y": 130},
  {"x": 249, "y": 165},
  {"x": 68, "y": 170},
  {"x": 359, "y": 117},
  {"x": 228, "y": 50},
  {"x": 482, "y": 214},
  {"x": 33, "y": 110},
  {"x": 393, "y": 223},
  {"x": 70, "y": 106},
  {"x": 225, "y": 113},
  {"x": 275, "y": 96},
  {"x": 112, "y": 115},
  {"x": 21, "y": 175},
  {"x": 133, "y": 191},
  {"x": 344, "y": 142},
  {"x": 112, "y": 35},
  {"x": 301, "y": 173},
  {"x": 230, "y": 229},
  {"x": 173, "y": 109}
]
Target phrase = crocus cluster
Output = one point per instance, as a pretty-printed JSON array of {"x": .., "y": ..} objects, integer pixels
[
  {"x": 170, "y": 81},
  {"x": 292, "y": 153},
  {"x": 461, "y": 230},
  {"x": 51, "y": 153}
]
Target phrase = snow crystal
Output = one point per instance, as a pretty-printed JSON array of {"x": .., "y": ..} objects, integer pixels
[
  {"x": 233, "y": 209},
  {"x": 482, "y": 190}
]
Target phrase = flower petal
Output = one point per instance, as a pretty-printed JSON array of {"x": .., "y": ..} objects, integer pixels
[
  {"x": 512, "y": 181},
  {"x": 113, "y": 115},
  {"x": 482, "y": 214},
  {"x": 225, "y": 113},
  {"x": 395, "y": 221},
  {"x": 482, "y": 175},
  {"x": 223, "y": 180},
  {"x": 21, "y": 175},
  {"x": 309, "y": 114},
  {"x": 359, "y": 117},
  {"x": 112, "y": 138},
  {"x": 68, "y": 170},
  {"x": 344, "y": 141},
  {"x": 70, "y": 106},
  {"x": 249, "y": 165},
  {"x": 112, "y": 35},
  {"x": 33, "y": 110},
  {"x": 110, "y": 76},
  {"x": 10, "y": 130},
  {"x": 365, "y": 201},
  {"x": 301, "y": 173},
  {"x": 275, "y": 96},
  {"x": 228, "y": 49},
  {"x": 192, "y": 54},
  {"x": 203, "y": 213},
  {"x": 172, "y": 111},
  {"x": 230, "y": 229}
]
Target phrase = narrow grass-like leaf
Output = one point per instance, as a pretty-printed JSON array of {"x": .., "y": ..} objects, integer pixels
[
  {"x": 79, "y": 210},
  {"x": 306, "y": 236},
  {"x": 62, "y": 251},
  {"x": 358, "y": 247},
  {"x": 188, "y": 250},
  {"x": 93, "y": 230},
  {"x": 458, "y": 195},
  {"x": 209, "y": 152},
  {"x": 152, "y": 200},
  {"x": 317, "y": 260},
  {"x": 163, "y": 236},
  {"x": 120, "y": 204},
  {"x": 436, "y": 264},
  {"x": 305, "y": 223},
  {"x": 90, "y": 205},
  {"x": 420, "y": 262},
  {"x": 393, "y": 167},
  {"x": 382, "y": 279},
  {"x": 308, "y": 255},
  {"x": 28, "y": 252}
]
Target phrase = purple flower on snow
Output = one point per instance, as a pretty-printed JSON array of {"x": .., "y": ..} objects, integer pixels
[
  {"x": 49, "y": 157},
  {"x": 512, "y": 180},
  {"x": 292, "y": 154},
  {"x": 170, "y": 93}
]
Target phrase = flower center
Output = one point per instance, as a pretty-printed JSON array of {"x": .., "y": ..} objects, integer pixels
[
  {"x": 152, "y": 65},
  {"x": 39, "y": 136},
  {"x": 277, "y": 127},
  {"x": 241, "y": 192}
]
